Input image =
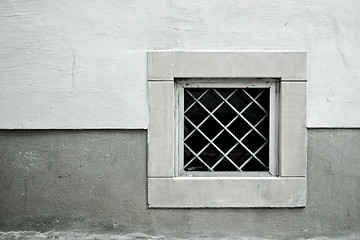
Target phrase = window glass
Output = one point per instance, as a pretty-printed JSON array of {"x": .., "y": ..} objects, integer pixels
[{"x": 226, "y": 129}]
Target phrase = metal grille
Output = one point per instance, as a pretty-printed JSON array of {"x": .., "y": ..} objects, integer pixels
[{"x": 226, "y": 129}]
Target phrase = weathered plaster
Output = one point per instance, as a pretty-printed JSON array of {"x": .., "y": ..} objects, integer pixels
[
  {"x": 97, "y": 178},
  {"x": 81, "y": 64}
]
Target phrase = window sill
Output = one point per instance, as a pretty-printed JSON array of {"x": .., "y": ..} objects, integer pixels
[{"x": 226, "y": 192}]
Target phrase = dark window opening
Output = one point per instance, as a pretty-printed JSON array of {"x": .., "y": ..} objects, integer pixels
[{"x": 226, "y": 129}]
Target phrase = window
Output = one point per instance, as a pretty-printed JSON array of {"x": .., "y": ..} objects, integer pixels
[
  {"x": 226, "y": 129},
  {"x": 224, "y": 126}
]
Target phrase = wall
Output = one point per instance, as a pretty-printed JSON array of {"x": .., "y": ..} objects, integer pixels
[
  {"x": 82, "y": 64},
  {"x": 61, "y": 179}
]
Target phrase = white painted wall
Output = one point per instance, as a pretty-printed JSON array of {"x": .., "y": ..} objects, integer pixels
[{"x": 82, "y": 64}]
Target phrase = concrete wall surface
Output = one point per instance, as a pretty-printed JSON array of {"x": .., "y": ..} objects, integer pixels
[
  {"x": 82, "y": 64},
  {"x": 96, "y": 179}
]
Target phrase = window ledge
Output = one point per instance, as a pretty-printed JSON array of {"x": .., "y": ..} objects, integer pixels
[{"x": 229, "y": 192}]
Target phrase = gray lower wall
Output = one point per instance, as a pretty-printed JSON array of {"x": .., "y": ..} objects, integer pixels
[{"x": 97, "y": 178}]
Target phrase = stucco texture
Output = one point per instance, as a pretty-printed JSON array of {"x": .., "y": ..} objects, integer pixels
[
  {"x": 96, "y": 179},
  {"x": 82, "y": 64}
]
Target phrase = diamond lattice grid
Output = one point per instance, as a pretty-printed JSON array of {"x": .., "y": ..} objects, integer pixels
[{"x": 226, "y": 129}]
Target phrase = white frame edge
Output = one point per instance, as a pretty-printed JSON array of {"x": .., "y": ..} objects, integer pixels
[{"x": 167, "y": 190}]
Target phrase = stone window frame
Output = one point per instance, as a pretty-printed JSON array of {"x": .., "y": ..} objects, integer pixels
[{"x": 167, "y": 189}]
